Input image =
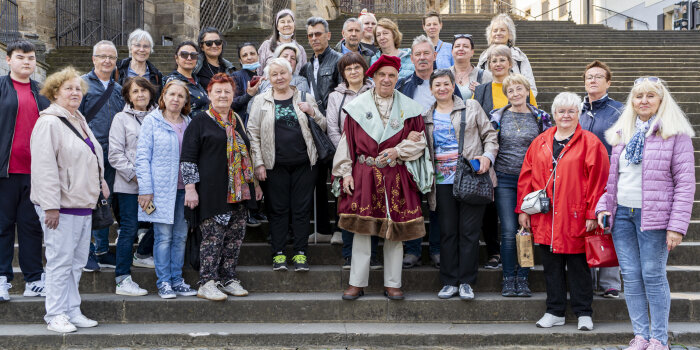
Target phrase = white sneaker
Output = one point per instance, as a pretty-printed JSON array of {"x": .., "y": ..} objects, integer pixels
[
  {"x": 466, "y": 292},
  {"x": 210, "y": 291},
  {"x": 319, "y": 238},
  {"x": 128, "y": 287},
  {"x": 61, "y": 324},
  {"x": 81, "y": 321},
  {"x": 234, "y": 288},
  {"x": 4, "y": 289},
  {"x": 337, "y": 238},
  {"x": 36, "y": 288},
  {"x": 549, "y": 320},
  {"x": 145, "y": 262},
  {"x": 448, "y": 292},
  {"x": 585, "y": 323}
]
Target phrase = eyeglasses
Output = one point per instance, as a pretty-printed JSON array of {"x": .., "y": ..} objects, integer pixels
[
  {"x": 595, "y": 77},
  {"x": 188, "y": 55},
  {"x": 141, "y": 46},
  {"x": 315, "y": 35},
  {"x": 209, "y": 43},
  {"x": 105, "y": 57},
  {"x": 651, "y": 79}
]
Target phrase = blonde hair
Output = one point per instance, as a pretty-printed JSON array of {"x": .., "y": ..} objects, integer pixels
[
  {"x": 499, "y": 50},
  {"x": 514, "y": 79},
  {"x": 54, "y": 82},
  {"x": 391, "y": 26},
  {"x": 669, "y": 117},
  {"x": 502, "y": 19}
]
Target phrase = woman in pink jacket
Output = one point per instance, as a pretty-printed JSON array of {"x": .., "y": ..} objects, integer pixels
[{"x": 649, "y": 198}]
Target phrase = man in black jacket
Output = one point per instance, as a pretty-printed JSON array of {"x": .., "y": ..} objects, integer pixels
[{"x": 21, "y": 102}]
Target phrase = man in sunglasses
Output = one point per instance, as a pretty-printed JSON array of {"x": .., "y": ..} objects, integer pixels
[{"x": 210, "y": 62}]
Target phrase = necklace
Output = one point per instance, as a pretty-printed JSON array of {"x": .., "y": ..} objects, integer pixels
[
  {"x": 211, "y": 71},
  {"x": 460, "y": 76}
]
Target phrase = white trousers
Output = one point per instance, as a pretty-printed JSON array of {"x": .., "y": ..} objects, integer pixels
[
  {"x": 359, "y": 264},
  {"x": 67, "y": 249}
]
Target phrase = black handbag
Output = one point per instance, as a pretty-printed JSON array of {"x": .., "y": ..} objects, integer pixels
[
  {"x": 470, "y": 187},
  {"x": 102, "y": 216},
  {"x": 324, "y": 147}
]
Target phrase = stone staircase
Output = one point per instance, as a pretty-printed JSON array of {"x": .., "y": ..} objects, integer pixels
[{"x": 291, "y": 310}]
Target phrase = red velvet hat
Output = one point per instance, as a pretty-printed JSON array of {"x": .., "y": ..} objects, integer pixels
[{"x": 384, "y": 60}]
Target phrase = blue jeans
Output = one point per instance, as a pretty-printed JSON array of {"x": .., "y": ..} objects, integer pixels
[
  {"x": 169, "y": 245},
  {"x": 129, "y": 226},
  {"x": 506, "y": 199},
  {"x": 413, "y": 246},
  {"x": 347, "y": 244},
  {"x": 101, "y": 237},
  {"x": 642, "y": 256}
]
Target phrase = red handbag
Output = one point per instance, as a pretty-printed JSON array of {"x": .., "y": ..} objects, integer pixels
[{"x": 600, "y": 250}]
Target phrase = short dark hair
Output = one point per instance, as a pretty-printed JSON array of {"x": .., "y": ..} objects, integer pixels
[
  {"x": 20, "y": 45},
  {"x": 143, "y": 83},
  {"x": 245, "y": 44},
  {"x": 442, "y": 73},
  {"x": 313, "y": 21},
  {"x": 186, "y": 43},
  {"x": 207, "y": 30},
  {"x": 349, "y": 59},
  {"x": 601, "y": 65},
  {"x": 432, "y": 14}
]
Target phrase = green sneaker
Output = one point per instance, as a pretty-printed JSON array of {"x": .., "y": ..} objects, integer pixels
[
  {"x": 279, "y": 263},
  {"x": 300, "y": 263}
]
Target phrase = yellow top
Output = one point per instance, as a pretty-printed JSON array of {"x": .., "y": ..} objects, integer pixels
[{"x": 499, "y": 98}]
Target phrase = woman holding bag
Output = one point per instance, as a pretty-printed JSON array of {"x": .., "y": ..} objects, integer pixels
[
  {"x": 648, "y": 202},
  {"x": 570, "y": 165}
]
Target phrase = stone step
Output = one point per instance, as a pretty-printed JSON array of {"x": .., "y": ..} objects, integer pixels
[
  {"x": 351, "y": 335},
  {"x": 329, "y": 307},
  {"x": 332, "y": 278}
]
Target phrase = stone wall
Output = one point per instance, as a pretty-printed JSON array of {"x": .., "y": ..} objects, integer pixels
[
  {"x": 321, "y": 8},
  {"x": 255, "y": 14},
  {"x": 38, "y": 17},
  {"x": 178, "y": 19}
]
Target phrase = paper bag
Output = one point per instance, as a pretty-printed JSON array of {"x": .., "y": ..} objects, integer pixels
[{"x": 526, "y": 257}]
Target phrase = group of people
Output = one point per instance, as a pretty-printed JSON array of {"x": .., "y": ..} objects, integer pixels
[{"x": 198, "y": 149}]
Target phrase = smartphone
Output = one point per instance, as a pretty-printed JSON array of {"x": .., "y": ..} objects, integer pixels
[
  {"x": 606, "y": 221},
  {"x": 150, "y": 208},
  {"x": 475, "y": 165},
  {"x": 255, "y": 80}
]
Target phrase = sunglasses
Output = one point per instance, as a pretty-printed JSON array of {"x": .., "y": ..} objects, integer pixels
[
  {"x": 188, "y": 55},
  {"x": 463, "y": 36},
  {"x": 209, "y": 43},
  {"x": 651, "y": 79},
  {"x": 315, "y": 35}
]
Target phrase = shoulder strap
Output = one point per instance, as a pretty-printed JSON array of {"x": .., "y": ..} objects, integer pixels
[
  {"x": 303, "y": 96},
  {"x": 71, "y": 127},
  {"x": 462, "y": 126},
  {"x": 519, "y": 63},
  {"x": 340, "y": 111},
  {"x": 100, "y": 103},
  {"x": 479, "y": 75}
]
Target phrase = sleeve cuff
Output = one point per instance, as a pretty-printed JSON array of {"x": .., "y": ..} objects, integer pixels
[{"x": 490, "y": 156}]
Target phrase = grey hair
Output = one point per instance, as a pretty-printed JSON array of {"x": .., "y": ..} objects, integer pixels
[
  {"x": 279, "y": 62},
  {"x": 505, "y": 19},
  {"x": 290, "y": 46},
  {"x": 422, "y": 39},
  {"x": 104, "y": 43},
  {"x": 137, "y": 36},
  {"x": 312, "y": 21},
  {"x": 566, "y": 99},
  {"x": 499, "y": 50},
  {"x": 352, "y": 20}
]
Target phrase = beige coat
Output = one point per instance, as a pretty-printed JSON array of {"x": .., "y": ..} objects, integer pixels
[
  {"x": 65, "y": 172},
  {"x": 261, "y": 127},
  {"x": 480, "y": 138}
]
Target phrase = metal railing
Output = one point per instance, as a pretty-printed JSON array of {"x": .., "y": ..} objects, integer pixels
[
  {"x": 9, "y": 21},
  {"x": 217, "y": 14},
  {"x": 557, "y": 8},
  {"x": 354, "y": 7},
  {"x": 485, "y": 7},
  {"x": 615, "y": 14},
  {"x": 85, "y": 22}
]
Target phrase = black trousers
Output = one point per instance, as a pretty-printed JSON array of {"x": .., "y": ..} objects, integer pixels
[
  {"x": 17, "y": 212},
  {"x": 459, "y": 238},
  {"x": 289, "y": 192},
  {"x": 489, "y": 227},
  {"x": 558, "y": 268},
  {"x": 323, "y": 220}
]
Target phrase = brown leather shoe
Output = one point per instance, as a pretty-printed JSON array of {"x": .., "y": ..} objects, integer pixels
[
  {"x": 353, "y": 293},
  {"x": 393, "y": 293}
]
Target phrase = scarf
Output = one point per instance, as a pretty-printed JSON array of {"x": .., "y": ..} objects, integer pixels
[
  {"x": 240, "y": 172},
  {"x": 635, "y": 148}
]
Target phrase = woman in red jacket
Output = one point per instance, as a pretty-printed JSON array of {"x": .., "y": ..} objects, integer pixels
[{"x": 572, "y": 164}]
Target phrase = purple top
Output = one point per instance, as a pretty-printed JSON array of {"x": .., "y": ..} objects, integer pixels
[
  {"x": 80, "y": 211},
  {"x": 180, "y": 132}
]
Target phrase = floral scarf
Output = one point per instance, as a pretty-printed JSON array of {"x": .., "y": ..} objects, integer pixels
[{"x": 240, "y": 171}]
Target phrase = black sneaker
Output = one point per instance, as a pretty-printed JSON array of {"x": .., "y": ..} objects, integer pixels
[
  {"x": 493, "y": 263},
  {"x": 509, "y": 287},
  {"x": 611, "y": 293},
  {"x": 260, "y": 216},
  {"x": 279, "y": 262},
  {"x": 92, "y": 264},
  {"x": 346, "y": 263},
  {"x": 375, "y": 263},
  {"x": 107, "y": 260},
  {"x": 252, "y": 222},
  {"x": 300, "y": 264},
  {"x": 522, "y": 287}
]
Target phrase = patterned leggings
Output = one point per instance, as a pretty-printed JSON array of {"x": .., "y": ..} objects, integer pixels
[{"x": 221, "y": 246}]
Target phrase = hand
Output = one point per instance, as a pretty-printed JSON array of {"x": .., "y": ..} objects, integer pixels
[
  {"x": 473, "y": 85},
  {"x": 51, "y": 218},
  {"x": 191, "y": 196},
  {"x": 485, "y": 164},
  {"x": 105, "y": 189},
  {"x": 590, "y": 225},
  {"x": 144, "y": 200},
  {"x": 387, "y": 156},
  {"x": 258, "y": 193},
  {"x": 414, "y": 136},
  {"x": 673, "y": 239},
  {"x": 600, "y": 218},
  {"x": 306, "y": 108},
  {"x": 524, "y": 220},
  {"x": 135, "y": 180},
  {"x": 261, "y": 173},
  {"x": 348, "y": 184},
  {"x": 252, "y": 90}
]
